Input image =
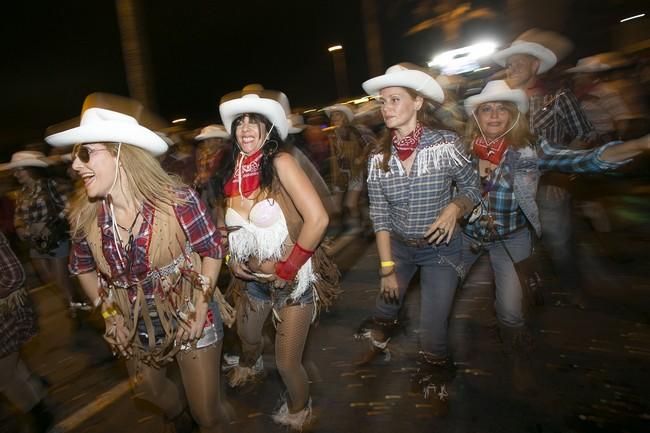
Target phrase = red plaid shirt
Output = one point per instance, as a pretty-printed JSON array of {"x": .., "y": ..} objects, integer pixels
[{"x": 202, "y": 235}]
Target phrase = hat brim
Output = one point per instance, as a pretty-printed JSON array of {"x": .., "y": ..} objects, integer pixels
[
  {"x": 517, "y": 97},
  {"x": 342, "y": 108},
  {"x": 268, "y": 108},
  {"x": 588, "y": 69},
  {"x": 220, "y": 134},
  {"x": 547, "y": 58},
  {"x": 23, "y": 163},
  {"x": 111, "y": 132},
  {"x": 419, "y": 81}
]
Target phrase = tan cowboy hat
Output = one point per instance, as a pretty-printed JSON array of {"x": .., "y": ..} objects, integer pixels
[
  {"x": 25, "y": 158},
  {"x": 343, "y": 108},
  {"x": 599, "y": 63},
  {"x": 111, "y": 118},
  {"x": 272, "y": 104},
  {"x": 547, "y": 47},
  {"x": 296, "y": 123},
  {"x": 494, "y": 91},
  {"x": 212, "y": 131},
  {"x": 406, "y": 75}
]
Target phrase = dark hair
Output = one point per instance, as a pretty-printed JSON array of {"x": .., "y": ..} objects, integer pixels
[{"x": 273, "y": 145}]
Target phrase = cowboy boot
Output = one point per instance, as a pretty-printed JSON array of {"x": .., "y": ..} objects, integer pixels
[
  {"x": 433, "y": 379},
  {"x": 517, "y": 345},
  {"x": 377, "y": 332}
]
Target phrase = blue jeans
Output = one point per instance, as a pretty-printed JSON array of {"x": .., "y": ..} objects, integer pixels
[
  {"x": 557, "y": 234},
  {"x": 439, "y": 275},
  {"x": 508, "y": 302}
]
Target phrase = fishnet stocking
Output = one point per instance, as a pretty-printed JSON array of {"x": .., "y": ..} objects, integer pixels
[
  {"x": 250, "y": 321},
  {"x": 200, "y": 374},
  {"x": 290, "y": 340}
]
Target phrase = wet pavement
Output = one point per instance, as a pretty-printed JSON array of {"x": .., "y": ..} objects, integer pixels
[{"x": 591, "y": 365}]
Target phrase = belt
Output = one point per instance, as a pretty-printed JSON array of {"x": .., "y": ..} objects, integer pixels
[{"x": 410, "y": 242}]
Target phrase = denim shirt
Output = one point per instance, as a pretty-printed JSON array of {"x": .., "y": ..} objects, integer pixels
[
  {"x": 527, "y": 165},
  {"x": 529, "y": 162}
]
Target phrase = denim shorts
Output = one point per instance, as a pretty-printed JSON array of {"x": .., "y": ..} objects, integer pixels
[
  {"x": 211, "y": 333},
  {"x": 279, "y": 298}
]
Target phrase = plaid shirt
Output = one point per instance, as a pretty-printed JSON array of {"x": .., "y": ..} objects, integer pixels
[
  {"x": 558, "y": 118},
  {"x": 40, "y": 203},
  {"x": 501, "y": 201},
  {"x": 408, "y": 204},
  {"x": 12, "y": 274},
  {"x": 202, "y": 235}
]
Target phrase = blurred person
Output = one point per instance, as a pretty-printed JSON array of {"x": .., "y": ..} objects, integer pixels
[
  {"x": 510, "y": 161},
  {"x": 180, "y": 159},
  {"x": 556, "y": 116},
  {"x": 349, "y": 147},
  {"x": 602, "y": 102},
  {"x": 17, "y": 326},
  {"x": 211, "y": 149},
  {"x": 276, "y": 222},
  {"x": 40, "y": 220},
  {"x": 414, "y": 211},
  {"x": 317, "y": 143},
  {"x": 147, "y": 253}
]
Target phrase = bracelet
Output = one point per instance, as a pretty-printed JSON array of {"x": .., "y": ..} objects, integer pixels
[
  {"x": 387, "y": 264},
  {"x": 97, "y": 302},
  {"x": 387, "y": 274},
  {"x": 109, "y": 313}
]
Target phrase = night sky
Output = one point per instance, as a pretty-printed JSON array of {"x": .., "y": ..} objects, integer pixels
[{"x": 58, "y": 52}]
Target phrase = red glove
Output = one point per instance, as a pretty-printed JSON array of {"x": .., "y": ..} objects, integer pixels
[{"x": 288, "y": 269}]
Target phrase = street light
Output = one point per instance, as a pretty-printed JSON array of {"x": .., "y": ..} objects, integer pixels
[{"x": 340, "y": 69}]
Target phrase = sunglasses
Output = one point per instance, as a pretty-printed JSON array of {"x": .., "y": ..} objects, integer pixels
[{"x": 83, "y": 153}]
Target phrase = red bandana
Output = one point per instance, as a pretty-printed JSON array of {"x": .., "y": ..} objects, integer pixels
[
  {"x": 249, "y": 170},
  {"x": 492, "y": 151},
  {"x": 407, "y": 145}
]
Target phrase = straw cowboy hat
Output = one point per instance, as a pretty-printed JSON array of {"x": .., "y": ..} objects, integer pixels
[
  {"x": 25, "y": 158},
  {"x": 599, "y": 63},
  {"x": 296, "y": 123},
  {"x": 548, "y": 47},
  {"x": 406, "y": 75},
  {"x": 272, "y": 104},
  {"x": 109, "y": 118},
  {"x": 497, "y": 90},
  {"x": 212, "y": 131},
  {"x": 343, "y": 108}
]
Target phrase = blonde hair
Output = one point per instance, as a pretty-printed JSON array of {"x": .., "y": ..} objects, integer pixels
[
  {"x": 518, "y": 138},
  {"x": 145, "y": 179}
]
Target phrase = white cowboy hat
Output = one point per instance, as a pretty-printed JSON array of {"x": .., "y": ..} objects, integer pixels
[
  {"x": 99, "y": 125},
  {"x": 494, "y": 91},
  {"x": 598, "y": 63},
  {"x": 546, "y": 46},
  {"x": 406, "y": 75},
  {"x": 367, "y": 108},
  {"x": 212, "y": 131},
  {"x": 25, "y": 158},
  {"x": 343, "y": 108},
  {"x": 296, "y": 123},
  {"x": 255, "y": 99}
]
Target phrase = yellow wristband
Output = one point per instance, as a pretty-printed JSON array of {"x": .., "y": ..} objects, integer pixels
[
  {"x": 109, "y": 313},
  {"x": 387, "y": 264}
]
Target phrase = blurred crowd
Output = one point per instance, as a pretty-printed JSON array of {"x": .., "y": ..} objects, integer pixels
[{"x": 601, "y": 100}]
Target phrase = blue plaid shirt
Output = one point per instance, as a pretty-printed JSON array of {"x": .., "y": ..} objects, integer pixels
[
  {"x": 408, "y": 204},
  {"x": 501, "y": 199}
]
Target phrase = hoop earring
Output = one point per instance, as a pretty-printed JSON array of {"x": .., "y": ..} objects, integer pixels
[{"x": 271, "y": 150}]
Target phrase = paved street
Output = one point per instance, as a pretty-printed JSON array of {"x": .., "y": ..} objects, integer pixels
[{"x": 592, "y": 365}]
